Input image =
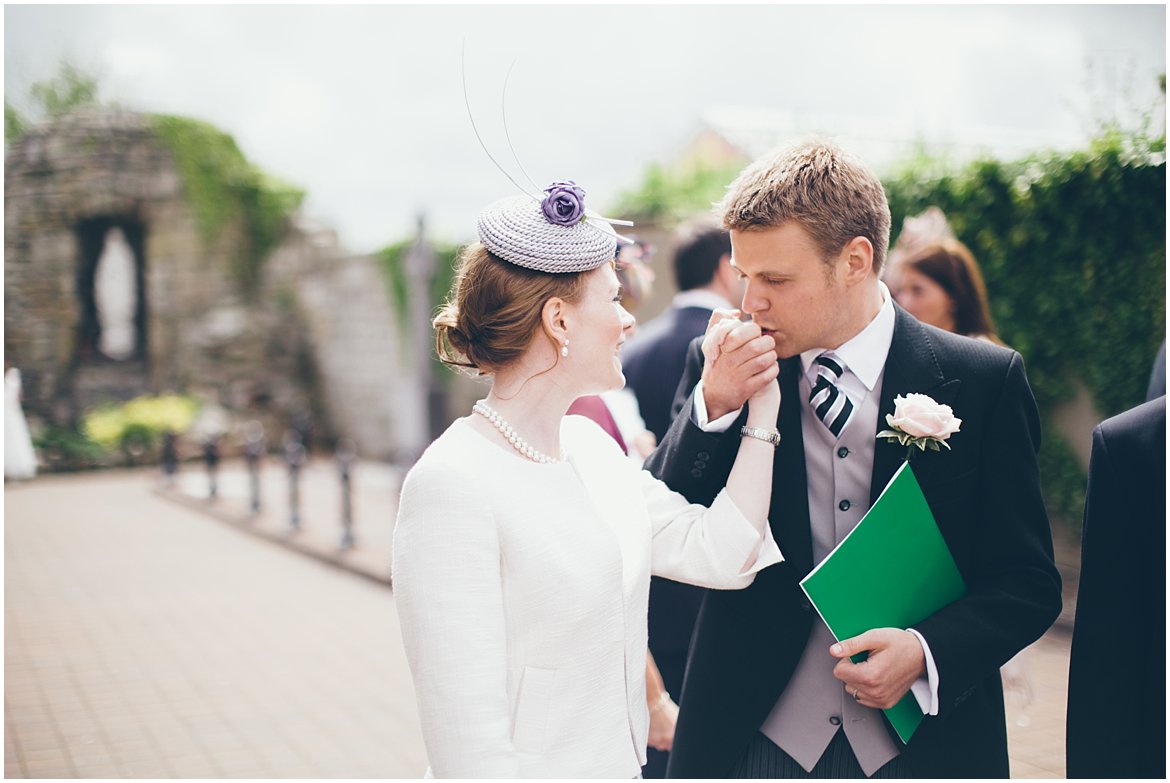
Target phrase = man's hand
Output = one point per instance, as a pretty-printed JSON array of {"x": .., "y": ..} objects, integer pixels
[
  {"x": 739, "y": 361},
  {"x": 895, "y": 661}
]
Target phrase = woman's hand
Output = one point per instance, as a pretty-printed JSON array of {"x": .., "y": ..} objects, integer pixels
[
  {"x": 739, "y": 362},
  {"x": 764, "y": 405},
  {"x": 663, "y": 717}
]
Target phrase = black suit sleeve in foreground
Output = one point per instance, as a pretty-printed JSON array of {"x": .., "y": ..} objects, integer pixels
[{"x": 1117, "y": 671}]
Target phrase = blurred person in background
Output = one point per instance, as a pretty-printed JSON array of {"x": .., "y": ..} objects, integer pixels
[
  {"x": 20, "y": 459},
  {"x": 706, "y": 281},
  {"x": 928, "y": 227},
  {"x": 525, "y": 539},
  {"x": 941, "y": 285},
  {"x": 653, "y": 364}
]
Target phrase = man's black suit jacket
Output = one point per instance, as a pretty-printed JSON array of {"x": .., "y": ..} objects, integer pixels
[
  {"x": 1117, "y": 672},
  {"x": 985, "y": 494}
]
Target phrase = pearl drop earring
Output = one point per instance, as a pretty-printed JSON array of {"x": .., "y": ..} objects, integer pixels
[{"x": 565, "y": 348}]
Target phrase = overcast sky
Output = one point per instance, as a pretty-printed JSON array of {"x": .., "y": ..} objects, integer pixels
[{"x": 363, "y": 105}]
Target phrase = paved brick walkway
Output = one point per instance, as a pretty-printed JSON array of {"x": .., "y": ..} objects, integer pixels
[
  {"x": 143, "y": 639},
  {"x": 151, "y": 633}
]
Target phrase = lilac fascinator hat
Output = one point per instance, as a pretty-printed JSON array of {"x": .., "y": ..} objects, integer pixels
[{"x": 555, "y": 234}]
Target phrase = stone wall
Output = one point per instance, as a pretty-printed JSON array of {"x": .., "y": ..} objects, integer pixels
[{"x": 317, "y": 336}]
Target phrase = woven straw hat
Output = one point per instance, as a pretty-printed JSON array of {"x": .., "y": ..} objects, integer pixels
[{"x": 517, "y": 230}]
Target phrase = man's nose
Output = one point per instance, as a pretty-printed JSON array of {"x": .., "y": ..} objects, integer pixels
[{"x": 751, "y": 302}]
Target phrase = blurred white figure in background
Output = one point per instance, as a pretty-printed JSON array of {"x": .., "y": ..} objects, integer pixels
[
  {"x": 116, "y": 296},
  {"x": 20, "y": 461}
]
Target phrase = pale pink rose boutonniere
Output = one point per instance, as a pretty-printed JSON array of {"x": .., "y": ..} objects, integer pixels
[{"x": 919, "y": 421}]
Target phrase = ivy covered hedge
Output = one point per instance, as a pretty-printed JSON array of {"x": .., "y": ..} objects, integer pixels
[{"x": 224, "y": 187}]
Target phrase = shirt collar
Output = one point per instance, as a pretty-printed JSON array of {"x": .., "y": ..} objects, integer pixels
[
  {"x": 701, "y": 297},
  {"x": 865, "y": 353}
]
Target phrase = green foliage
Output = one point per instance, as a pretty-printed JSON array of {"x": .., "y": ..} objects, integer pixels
[
  {"x": 666, "y": 195},
  {"x": 139, "y": 422},
  {"x": 1072, "y": 248},
  {"x": 393, "y": 259},
  {"x": 72, "y": 88},
  {"x": 63, "y": 448},
  {"x": 15, "y": 123},
  {"x": 224, "y": 188}
]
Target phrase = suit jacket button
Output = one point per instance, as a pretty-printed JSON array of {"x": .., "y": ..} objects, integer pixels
[
  {"x": 702, "y": 455},
  {"x": 700, "y": 464},
  {"x": 805, "y": 606},
  {"x": 697, "y": 473},
  {"x": 842, "y": 452},
  {"x": 844, "y": 505},
  {"x": 835, "y": 720}
]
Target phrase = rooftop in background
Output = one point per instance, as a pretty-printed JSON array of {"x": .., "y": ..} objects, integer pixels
[{"x": 730, "y": 133}]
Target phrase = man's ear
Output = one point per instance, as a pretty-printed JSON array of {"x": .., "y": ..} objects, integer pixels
[
  {"x": 857, "y": 256},
  {"x": 727, "y": 277}
]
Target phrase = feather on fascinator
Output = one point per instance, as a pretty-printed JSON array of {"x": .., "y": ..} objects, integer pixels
[{"x": 551, "y": 232}]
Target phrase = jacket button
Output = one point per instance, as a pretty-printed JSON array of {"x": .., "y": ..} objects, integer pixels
[
  {"x": 835, "y": 720},
  {"x": 702, "y": 455},
  {"x": 700, "y": 464},
  {"x": 842, "y": 452},
  {"x": 805, "y": 606},
  {"x": 844, "y": 505},
  {"x": 697, "y": 473}
]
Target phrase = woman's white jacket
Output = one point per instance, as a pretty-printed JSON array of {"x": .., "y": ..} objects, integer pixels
[{"x": 522, "y": 595}]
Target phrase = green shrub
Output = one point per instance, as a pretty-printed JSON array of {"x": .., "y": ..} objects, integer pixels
[
  {"x": 136, "y": 426},
  {"x": 63, "y": 448},
  {"x": 224, "y": 187}
]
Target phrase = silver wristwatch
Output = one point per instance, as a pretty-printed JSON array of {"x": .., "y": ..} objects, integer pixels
[{"x": 771, "y": 436}]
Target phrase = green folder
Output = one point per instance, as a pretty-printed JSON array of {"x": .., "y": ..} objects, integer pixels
[{"x": 891, "y": 571}]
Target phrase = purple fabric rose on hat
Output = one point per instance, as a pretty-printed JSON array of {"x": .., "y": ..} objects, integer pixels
[{"x": 564, "y": 204}]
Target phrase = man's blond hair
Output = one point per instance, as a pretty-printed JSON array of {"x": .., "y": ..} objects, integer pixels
[{"x": 831, "y": 194}]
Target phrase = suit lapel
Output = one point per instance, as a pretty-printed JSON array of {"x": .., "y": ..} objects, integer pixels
[{"x": 911, "y": 368}]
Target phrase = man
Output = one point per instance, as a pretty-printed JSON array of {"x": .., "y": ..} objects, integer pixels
[
  {"x": 767, "y": 692},
  {"x": 653, "y": 365},
  {"x": 1117, "y": 726}
]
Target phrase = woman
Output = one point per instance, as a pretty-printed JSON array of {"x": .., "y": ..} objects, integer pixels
[
  {"x": 525, "y": 540},
  {"x": 941, "y": 285}
]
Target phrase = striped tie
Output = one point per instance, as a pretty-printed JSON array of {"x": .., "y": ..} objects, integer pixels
[{"x": 829, "y": 403}]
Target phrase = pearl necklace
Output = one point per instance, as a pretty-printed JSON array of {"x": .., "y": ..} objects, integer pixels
[{"x": 512, "y": 436}]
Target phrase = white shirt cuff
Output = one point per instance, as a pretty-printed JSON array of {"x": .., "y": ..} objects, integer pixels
[
  {"x": 699, "y": 414},
  {"x": 925, "y": 689}
]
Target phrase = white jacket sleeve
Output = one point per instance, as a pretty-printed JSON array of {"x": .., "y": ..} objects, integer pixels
[
  {"x": 711, "y": 547},
  {"x": 446, "y": 578}
]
